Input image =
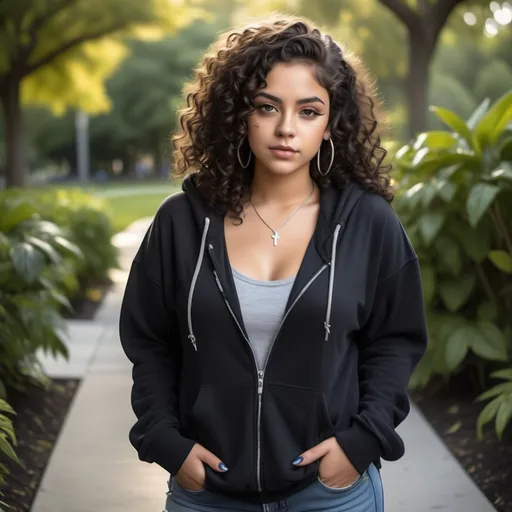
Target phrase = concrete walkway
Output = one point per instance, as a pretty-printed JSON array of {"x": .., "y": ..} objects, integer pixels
[{"x": 93, "y": 467}]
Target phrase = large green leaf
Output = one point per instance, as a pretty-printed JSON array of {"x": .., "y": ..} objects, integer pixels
[
  {"x": 434, "y": 140},
  {"x": 487, "y": 414},
  {"x": 505, "y": 373},
  {"x": 504, "y": 416},
  {"x": 6, "y": 448},
  {"x": 46, "y": 248},
  {"x": 430, "y": 224},
  {"x": 502, "y": 172},
  {"x": 426, "y": 162},
  {"x": 413, "y": 195},
  {"x": 446, "y": 190},
  {"x": 487, "y": 311},
  {"x": 27, "y": 261},
  {"x": 457, "y": 346},
  {"x": 502, "y": 260},
  {"x": 428, "y": 280},
  {"x": 10, "y": 217},
  {"x": 491, "y": 126},
  {"x": 429, "y": 192},
  {"x": 491, "y": 344},
  {"x": 5, "y": 407},
  {"x": 448, "y": 254},
  {"x": 500, "y": 389},
  {"x": 479, "y": 200},
  {"x": 68, "y": 246},
  {"x": 454, "y": 122},
  {"x": 475, "y": 242},
  {"x": 479, "y": 112},
  {"x": 456, "y": 292}
]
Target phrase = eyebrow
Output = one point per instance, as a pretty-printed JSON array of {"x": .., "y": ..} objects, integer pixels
[{"x": 312, "y": 99}]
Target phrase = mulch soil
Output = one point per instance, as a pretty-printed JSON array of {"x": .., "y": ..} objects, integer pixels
[
  {"x": 453, "y": 413},
  {"x": 40, "y": 415}
]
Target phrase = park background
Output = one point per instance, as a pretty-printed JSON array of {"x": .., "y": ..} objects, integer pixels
[{"x": 89, "y": 94}]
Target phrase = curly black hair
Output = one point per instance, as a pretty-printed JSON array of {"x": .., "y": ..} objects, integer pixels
[{"x": 219, "y": 100}]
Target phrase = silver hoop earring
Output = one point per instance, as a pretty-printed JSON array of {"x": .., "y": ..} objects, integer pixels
[
  {"x": 330, "y": 164},
  {"x": 240, "y": 160}
]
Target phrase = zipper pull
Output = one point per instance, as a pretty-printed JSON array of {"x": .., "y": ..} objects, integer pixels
[
  {"x": 260, "y": 382},
  {"x": 192, "y": 339}
]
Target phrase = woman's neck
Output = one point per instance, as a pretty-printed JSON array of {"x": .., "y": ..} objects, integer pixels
[{"x": 272, "y": 189}]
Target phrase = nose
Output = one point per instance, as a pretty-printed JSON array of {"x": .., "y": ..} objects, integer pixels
[{"x": 286, "y": 126}]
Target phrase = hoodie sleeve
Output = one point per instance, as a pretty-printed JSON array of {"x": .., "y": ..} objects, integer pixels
[
  {"x": 391, "y": 343},
  {"x": 149, "y": 337}
]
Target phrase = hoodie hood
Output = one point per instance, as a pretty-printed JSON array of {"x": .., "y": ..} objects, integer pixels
[{"x": 336, "y": 207}]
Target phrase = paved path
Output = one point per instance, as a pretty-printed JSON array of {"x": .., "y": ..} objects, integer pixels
[{"x": 93, "y": 468}]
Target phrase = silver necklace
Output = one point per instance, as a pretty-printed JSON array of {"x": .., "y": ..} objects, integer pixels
[{"x": 275, "y": 232}]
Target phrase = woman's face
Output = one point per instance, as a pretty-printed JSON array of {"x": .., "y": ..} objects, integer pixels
[{"x": 292, "y": 111}]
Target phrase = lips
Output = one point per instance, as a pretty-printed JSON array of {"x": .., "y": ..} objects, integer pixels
[{"x": 284, "y": 148}]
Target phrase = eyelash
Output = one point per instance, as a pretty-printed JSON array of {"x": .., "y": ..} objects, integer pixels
[{"x": 314, "y": 112}]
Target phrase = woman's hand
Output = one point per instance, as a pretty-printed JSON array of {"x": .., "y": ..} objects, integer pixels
[
  {"x": 192, "y": 475},
  {"x": 335, "y": 469}
]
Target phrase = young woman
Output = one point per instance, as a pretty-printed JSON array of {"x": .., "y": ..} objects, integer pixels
[{"x": 274, "y": 312}]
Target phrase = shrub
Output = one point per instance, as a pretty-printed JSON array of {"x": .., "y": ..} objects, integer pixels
[
  {"x": 455, "y": 200},
  {"x": 7, "y": 441},
  {"x": 86, "y": 222},
  {"x": 36, "y": 272}
]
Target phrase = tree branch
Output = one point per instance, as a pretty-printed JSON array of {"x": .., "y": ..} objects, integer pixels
[
  {"x": 50, "y": 13},
  {"x": 440, "y": 12},
  {"x": 71, "y": 44},
  {"x": 409, "y": 18}
]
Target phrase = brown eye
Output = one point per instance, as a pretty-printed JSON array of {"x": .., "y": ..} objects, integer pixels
[{"x": 309, "y": 112}]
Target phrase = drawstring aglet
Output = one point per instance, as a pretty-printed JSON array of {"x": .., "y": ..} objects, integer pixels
[
  {"x": 192, "y": 339},
  {"x": 327, "y": 328}
]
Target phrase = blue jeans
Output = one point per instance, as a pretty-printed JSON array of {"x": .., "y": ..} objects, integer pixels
[{"x": 364, "y": 495}]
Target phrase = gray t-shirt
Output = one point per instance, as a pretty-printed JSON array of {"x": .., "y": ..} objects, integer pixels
[{"x": 263, "y": 305}]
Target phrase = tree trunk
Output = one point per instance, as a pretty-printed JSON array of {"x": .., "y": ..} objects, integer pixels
[
  {"x": 417, "y": 87},
  {"x": 15, "y": 157}
]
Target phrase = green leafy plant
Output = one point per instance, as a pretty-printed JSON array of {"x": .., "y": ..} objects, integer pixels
[
  {"x": 7, "y": 442},
  {"x": 455, "y": 201},
  {"x": 500, "y": 407},
  {"x": 86, "y": 222},
  {"x": 36, "y": 272}
]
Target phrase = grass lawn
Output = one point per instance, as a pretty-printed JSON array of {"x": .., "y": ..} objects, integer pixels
[
  {"x": 127, "y": 201},
  {"x": 127, "y": 209}
]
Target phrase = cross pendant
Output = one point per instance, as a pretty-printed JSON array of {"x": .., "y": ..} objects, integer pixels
[{"x": 275, "y": 237}]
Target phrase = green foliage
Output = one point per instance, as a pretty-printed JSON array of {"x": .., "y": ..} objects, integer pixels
[
  {"x": 455, "y": 200},
  {"x": 36, "y": 273},
  {"x": 7, "y": 442},
  {"x": 49, "y": 240},
  {"x": 144, "y": 93},
  {"x": 87, "y": 224}
]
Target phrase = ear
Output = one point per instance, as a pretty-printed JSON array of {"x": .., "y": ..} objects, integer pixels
[{"x": 327, "y": 134}]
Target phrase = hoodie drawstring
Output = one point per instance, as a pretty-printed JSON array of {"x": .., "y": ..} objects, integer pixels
[
  {"x": 327, "y": 325},
  {"x": 191, "y": 335}
]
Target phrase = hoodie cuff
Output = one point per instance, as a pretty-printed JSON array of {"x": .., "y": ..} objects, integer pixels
[
  {"x": 360, "y": 446},
  {"x": 169, "y": 449}
]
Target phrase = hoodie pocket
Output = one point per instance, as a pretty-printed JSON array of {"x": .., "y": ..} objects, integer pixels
[
  {"x": 223, "y": 418},
  {"x": 293, "y": 421}
]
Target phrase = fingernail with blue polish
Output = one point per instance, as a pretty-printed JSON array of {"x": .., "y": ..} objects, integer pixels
[
  {"x": 223, "y": 467},
  {"x": 298, "y": 460}
]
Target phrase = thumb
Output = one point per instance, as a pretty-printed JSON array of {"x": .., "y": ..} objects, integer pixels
[
  {"x": 212, "y": 460},
  {"x": 311, "y": 455}
]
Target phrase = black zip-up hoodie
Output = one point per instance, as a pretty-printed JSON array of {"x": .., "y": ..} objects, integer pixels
[{"x": 353, "y": 331}]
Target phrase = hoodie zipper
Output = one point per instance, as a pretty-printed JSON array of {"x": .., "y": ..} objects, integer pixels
[{"x": 261, "y": 373}]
